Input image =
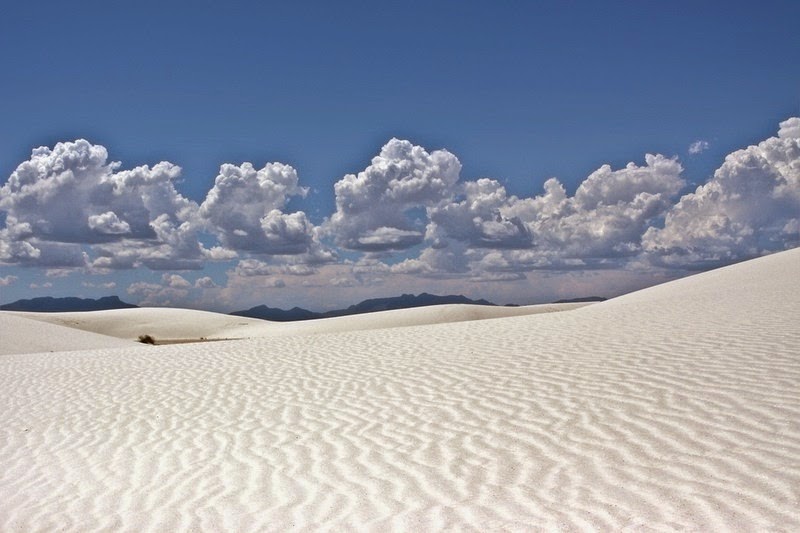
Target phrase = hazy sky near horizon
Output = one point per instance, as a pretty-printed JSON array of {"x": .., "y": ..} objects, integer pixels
[{"x": 223, "y": 155}]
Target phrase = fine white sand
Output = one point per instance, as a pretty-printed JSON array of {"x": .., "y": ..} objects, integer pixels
[
  {"x": 673, "y": 408},
  {"x": 160, "y": 323},
  {"x": 20, "y": 334}
]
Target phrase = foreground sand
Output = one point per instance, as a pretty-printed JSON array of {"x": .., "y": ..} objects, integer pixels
[{"x": 673, "y": 408}]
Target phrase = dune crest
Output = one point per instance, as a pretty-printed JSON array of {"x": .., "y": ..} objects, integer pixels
[
  {"x": 674, "y": 408},
  {"x": 187, "y": 324},
  {"x": 21, "y": 334}
]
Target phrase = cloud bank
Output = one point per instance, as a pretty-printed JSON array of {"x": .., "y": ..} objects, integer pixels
[
  {"x": 244, "y": 209},
  {"x": 68, "y": 200},
  {"x": 751, "y": 206},
  {"x": 373, "y": 207},
  {"x": 408, "y": 213}
]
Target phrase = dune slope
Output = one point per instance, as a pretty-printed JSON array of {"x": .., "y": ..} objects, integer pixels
[
  {"x": 19, "y": 334},
  {"x": 675, "y": 408},
  {"x": 159, "y": 322},
  {"x": 188, "y": 324}
]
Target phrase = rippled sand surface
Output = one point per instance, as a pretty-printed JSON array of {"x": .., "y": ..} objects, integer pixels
[{"x": 673, "y": 408}]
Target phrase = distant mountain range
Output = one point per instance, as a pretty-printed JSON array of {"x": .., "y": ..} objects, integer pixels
[
  {"x": 586, "y": 299},
  {"x": 48, "y": 304},
  {"x": 405, "y": 301},
  {"x": 278, "y": 315}
]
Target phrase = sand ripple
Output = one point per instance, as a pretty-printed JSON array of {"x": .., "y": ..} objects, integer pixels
[{"x": 676, "y": 409}]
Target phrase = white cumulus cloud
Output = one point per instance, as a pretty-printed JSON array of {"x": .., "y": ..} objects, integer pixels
[
  {"x": 205, "y": 283},
  {"x": 750, "y": 206},
  {"x": 244, "y": 209},
  {"x": 476, "y": 218},
  {"x": 68, "y": 197},
  {"x": 698, "y": 147},
  {"x": 155, "y": 294},
  {"x": 602, "y": 224},
  {"x": 372, "y": 207},
  {"x": 108, "y": 223},
  {"x": 175, "y": 281}
]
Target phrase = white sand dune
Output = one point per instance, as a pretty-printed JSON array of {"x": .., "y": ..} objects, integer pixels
[
  {"x": 158, "y": 322},
  {"x": 185, "y": 324},
  {"x": 673, "y": 408},
  {"x": 437, "y": 314},
  {"x": 20, "y": 334}
]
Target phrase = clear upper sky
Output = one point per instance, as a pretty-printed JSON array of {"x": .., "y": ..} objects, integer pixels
[{"x": 517, "y": 91}]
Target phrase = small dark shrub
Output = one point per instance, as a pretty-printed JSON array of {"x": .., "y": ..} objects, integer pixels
[{"x": 147, "y": 339}]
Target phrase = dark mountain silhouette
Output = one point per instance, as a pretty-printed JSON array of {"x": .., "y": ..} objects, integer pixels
[
  {"x": 278, "y": 315},
  {"x": 585, "y": 299},
  {"x": 406, "y": 301},
  {"x": 48, "y": 304}
]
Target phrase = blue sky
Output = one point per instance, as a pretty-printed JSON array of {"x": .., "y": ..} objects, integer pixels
[{"x": 517, "y": 92}]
